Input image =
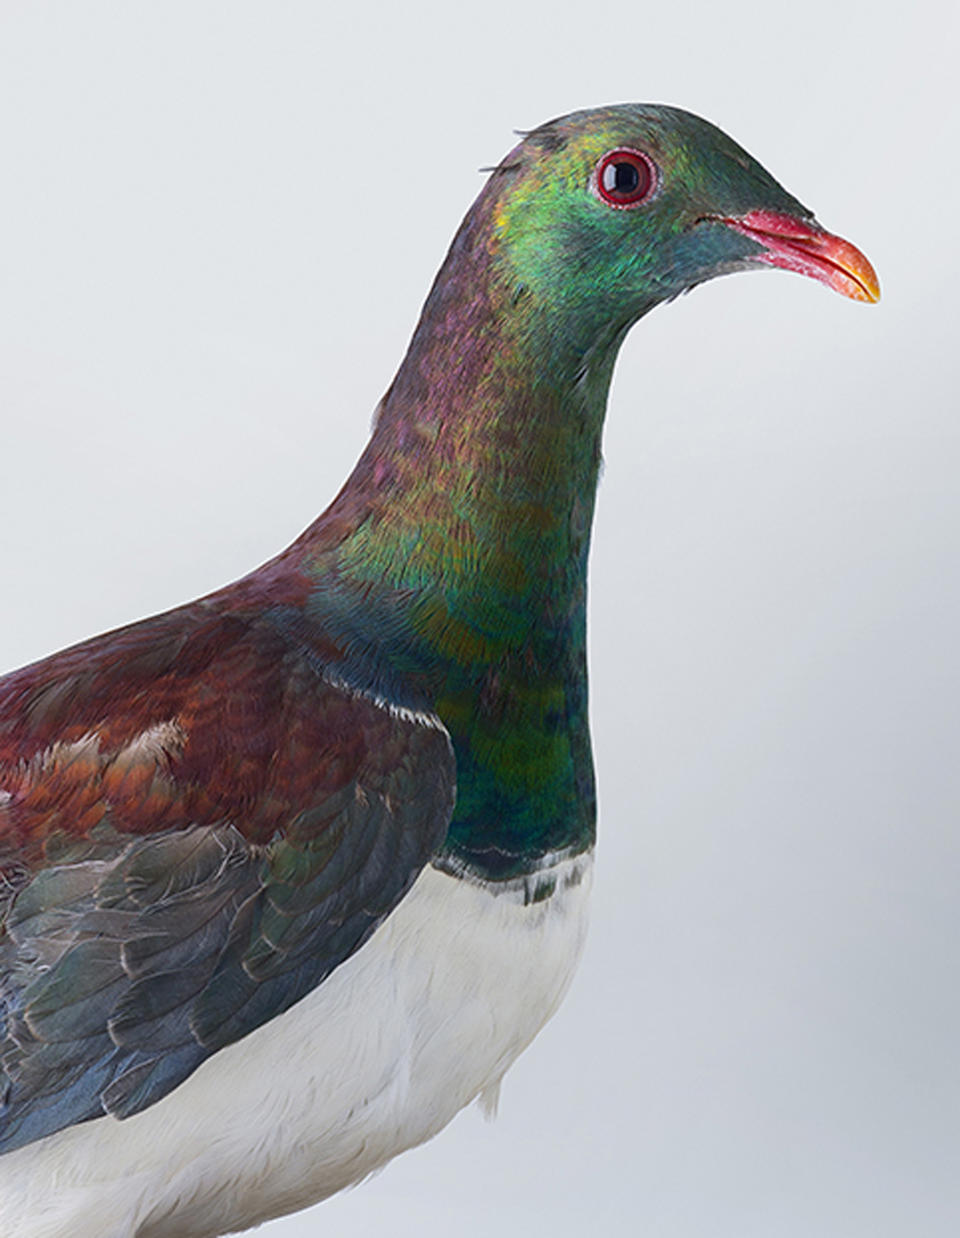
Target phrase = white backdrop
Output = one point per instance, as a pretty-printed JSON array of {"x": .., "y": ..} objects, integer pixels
[{"x": 217, "y": 224}]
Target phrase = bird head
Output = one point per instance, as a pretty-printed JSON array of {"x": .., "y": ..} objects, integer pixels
[{"x": 604, "y": 214}]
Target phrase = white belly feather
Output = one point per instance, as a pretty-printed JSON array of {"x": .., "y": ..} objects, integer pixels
[{"x": 427, "y": 1015}]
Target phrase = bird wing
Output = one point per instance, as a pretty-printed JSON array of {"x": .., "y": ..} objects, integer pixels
[{"x": 197, "y": 825}]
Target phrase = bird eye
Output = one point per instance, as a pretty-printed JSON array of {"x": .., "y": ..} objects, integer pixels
[{"x": 624, "y": 178}]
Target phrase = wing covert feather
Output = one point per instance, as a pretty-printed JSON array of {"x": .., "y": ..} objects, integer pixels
[{"x": 196, "y": 828}]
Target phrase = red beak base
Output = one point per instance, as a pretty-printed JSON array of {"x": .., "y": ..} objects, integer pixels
[{"x": 806, "y": 248}]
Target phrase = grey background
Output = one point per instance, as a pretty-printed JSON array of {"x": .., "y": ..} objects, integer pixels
[{"x": 217, "y": 223}]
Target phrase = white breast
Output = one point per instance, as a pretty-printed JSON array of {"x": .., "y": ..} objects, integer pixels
[{"x": 424, "y": 1018}]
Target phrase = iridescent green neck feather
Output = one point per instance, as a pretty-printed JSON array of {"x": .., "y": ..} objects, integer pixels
[
  {"x": 470, "y": 514},
  {"x": 475, "y": 498}
]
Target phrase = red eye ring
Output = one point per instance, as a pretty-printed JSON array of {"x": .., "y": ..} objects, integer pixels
[{"x": 624, "y": 178}]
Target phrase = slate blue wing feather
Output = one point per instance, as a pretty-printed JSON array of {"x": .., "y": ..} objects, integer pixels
[{"x": 188, "y": 861}]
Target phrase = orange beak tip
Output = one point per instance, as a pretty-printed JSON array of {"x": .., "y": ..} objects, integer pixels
[{"x": 799, "y": 245}]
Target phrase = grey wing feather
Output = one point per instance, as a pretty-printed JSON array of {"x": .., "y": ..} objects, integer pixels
[{"x": 122, "y": 971}]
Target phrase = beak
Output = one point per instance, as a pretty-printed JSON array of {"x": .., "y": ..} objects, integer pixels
[{"x": 797, "y": 245}]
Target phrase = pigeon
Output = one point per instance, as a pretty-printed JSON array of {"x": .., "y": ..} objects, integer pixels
[{"x": 292, "y": 873}]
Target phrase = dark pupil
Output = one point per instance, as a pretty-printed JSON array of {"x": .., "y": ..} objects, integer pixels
[{"x": 621, "y": 178}]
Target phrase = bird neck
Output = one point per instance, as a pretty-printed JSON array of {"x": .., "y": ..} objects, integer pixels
[{"x": 453, "y": 563}]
